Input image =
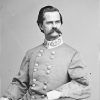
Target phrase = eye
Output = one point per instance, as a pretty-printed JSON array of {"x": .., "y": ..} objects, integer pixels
[
  {"x": 58, "y": 21},
  {"x": 49, "y": 22}
]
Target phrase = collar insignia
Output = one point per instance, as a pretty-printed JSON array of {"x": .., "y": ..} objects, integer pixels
[{"x": 52, "y": 44}]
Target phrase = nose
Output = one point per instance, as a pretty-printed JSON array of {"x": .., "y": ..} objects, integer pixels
[{"x": 54, "y": 25}]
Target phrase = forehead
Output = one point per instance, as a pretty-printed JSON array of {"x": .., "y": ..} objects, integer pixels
[{"x": 51, "y": 16}]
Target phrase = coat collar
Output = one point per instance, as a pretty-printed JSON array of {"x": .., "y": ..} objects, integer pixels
[{"x": 52, "y": 44}]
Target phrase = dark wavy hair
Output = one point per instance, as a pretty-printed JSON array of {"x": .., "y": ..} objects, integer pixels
[{"x": 46, "y": 9}]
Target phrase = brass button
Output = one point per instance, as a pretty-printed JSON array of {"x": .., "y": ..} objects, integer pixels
[
  {"x": 45, "y": 87},
  {"x": 51, "y": 57},
  {"x": 33, "y": 85},
  {"x": 53, "y": 52},
  {"x": 39, "y": 55},
  {"x": 49, "y": 67},
  {"x": 42, "y": 96},
  {"x": 36, "y": 64},
  {"x": 48, "y": 71},
  {"x": 35, "y": 69},
  {"x": 45, "y": 83},
  {"x": 32, "y": 97},
  {"x": 41, "y": 50},
  {"x": 34, "y": 80}
]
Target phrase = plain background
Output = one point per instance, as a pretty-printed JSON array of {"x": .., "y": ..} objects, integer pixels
[{"x": 19, "y": 32}]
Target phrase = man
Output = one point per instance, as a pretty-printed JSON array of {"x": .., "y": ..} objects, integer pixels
[{"x": 52, "y": 70}]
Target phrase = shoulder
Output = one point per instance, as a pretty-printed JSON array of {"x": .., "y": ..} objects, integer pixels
[
  {"x": 29, "y": 52},
  {"x": 69, "y": 48}
]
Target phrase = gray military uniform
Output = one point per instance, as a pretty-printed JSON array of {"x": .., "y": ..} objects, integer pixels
[{"x": 43, "y": 70}]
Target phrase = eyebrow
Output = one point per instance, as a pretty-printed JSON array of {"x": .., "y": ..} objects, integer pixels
[
  {"x": 49, "y": 22},
  {"x": 52, "y": 21}
]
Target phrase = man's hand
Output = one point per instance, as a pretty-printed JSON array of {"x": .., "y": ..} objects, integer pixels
[
  {"x": 2, "y": 98},
  {"x": 52, "y": 95}
]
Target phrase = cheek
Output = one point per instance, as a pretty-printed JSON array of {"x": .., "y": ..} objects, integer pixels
[
  {"x": 48, "y": 28},
  {"x": 59, "y": 25}
]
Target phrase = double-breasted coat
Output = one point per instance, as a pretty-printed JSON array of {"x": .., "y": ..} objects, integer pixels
[{"x": 43, "y": 70}]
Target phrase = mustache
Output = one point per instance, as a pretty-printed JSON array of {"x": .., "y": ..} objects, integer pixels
[{"x": 54, "y": 30}]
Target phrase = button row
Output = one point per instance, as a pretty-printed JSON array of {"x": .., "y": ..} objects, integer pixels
[
  {"x": 45, "y": 83},
  {"x": 41, "y": 52},
  {"x": 44, "y": 87},
  {"x": 49, "y": 67}
]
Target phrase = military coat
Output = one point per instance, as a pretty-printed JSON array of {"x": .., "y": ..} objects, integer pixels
[{"x": 43, "y": 70}]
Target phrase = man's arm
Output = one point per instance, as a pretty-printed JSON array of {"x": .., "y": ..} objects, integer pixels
[
  {"x": 78, "y": 87},
  {"x": 19, "y": 85}
]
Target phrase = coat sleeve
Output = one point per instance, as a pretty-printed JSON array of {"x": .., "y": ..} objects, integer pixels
[
  {"x": 19, "y": 85},
  {"x": 78, "y": 87}
]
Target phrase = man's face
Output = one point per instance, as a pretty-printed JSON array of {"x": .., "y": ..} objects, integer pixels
[{"x": 51, "y": 22}]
